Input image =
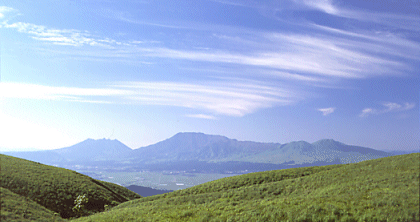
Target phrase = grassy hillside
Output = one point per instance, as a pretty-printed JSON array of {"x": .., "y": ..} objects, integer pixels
[
  {"x": 56, "y": 188},
  {"x": 18, "y": 208},
  {"x": 385, "y": 189}
]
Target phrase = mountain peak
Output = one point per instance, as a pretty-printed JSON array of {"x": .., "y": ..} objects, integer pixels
[
  {"x": 94, "y": 149},
  {"x": 327, "y": 142}
]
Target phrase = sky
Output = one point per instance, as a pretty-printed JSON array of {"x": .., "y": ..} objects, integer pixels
[{"x": 141, "y": 71}]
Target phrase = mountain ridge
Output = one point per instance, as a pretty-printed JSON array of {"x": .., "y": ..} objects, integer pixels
[
  {"x": 195, "y": 146},
  {"x": 91, "y": 149}
]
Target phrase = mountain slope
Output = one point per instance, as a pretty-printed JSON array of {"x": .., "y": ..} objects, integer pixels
[
  {"x": 56, "y": 188},
  {"x": 323, "y": 151},
  {"x": 211, "y": 148},
  {"x": 384, "y": 189},
  {"x": 198, "y": 146},
  {"x": 95, "y": 150},
  {"x": 90, "y": 150},
  {"x": 46, "y": 157},
  {"x": 184, "y": 148}
]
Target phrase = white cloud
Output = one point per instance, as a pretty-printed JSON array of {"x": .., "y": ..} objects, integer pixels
[
  {"x": 389, "y": 107},
  {"x": 201, "y": 116},
  {"x": 310, "y": 55},
  {"x": 322, "y": 5},
  {"x": 395, "y": 20},
  {"x": 70, "y": 37},
  {"x": 367, "y": 111},
  {"x": 320, "y": 57},
  {"x": 327, "y": 111},
  {"x": 3, "y": 10},
  {"x": 229, "y": 98},
  {"x": 334, "y": 54},
  {"x": 34, "y": 91},
  {"x": 224, "y": 98}
]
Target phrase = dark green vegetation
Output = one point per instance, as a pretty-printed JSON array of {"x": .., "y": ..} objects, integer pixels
[
  {"x": 146, "y": 191},
  {"x": 385, "y": 189},
  {"x": 47, "y": 187},
  {"x": 18, "y": 208}
]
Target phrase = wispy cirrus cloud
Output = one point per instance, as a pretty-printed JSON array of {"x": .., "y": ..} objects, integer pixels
[
  {"x": 231, "y": 99},
  {"x": 303, "y": 57},
  {"x": 319, "y": 57},
  {"x": 388, "y": 107},
  {"x": 408, "y": 22},
  {"x": 201, "y": 116},
  {"x": 327, "y": 52},
  {"x": 70, "y": 37},
  {"x": 322, "y": 5},
  {"x": 126, "y": 17},
  {"x": 327, "y": 111}
]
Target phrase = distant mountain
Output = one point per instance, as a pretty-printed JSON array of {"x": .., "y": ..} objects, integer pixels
[
  {"x": 86, "y": 151},
  {"x": 46, "y": 156},
  {"x": 95, "y": 150},
  {"x": 189, "y": 150},
  {"x": 211, "y": 148},
  {"x": 199, "y": 147}
]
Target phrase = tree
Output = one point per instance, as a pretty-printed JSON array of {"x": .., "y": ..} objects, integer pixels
[{"x": 79, "y": 207}]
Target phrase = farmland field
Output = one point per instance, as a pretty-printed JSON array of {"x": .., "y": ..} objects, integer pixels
[{"x": 158, "y": 180}]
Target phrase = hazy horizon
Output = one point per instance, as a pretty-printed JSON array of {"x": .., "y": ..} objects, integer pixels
[
  {"x": 133, "y": 148},
  {"x": 272, "y": 71}
]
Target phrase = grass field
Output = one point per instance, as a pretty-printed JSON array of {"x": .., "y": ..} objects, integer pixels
[
  {"x": 385, "y": 189},
  {"x": 18, "y": 208},
  {"x": 54, "y": 189}
]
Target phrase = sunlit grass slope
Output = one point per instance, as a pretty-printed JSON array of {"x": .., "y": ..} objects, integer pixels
[
  {"x": 56, "y": 188},
  {"x": 385, "y": 189}
]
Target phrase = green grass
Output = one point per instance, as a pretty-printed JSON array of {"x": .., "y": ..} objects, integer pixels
[
  {"x": 56, "y": 188},
  {"x": 385, "y": 189},
  {"x": 18, "y": 208}
]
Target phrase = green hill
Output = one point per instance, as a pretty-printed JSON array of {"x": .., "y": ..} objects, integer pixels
[
  {"x": 385, "y": 189},
  {"x": 18, "y": 208},
  {"x": 56, "y": 188}
]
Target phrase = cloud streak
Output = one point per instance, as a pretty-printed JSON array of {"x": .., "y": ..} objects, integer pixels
[
  {"x": 70, "y": 37},
  {"x": 3, "y": 10},
  {"x": 201, "y": 116},
  {"x": 327, "y": 111},
  {"x": 326, "y": 53},
  {"x": 407, "y": 22},
  {"x": 388, "y": 107},
  {"x": 231, "y": 99}
]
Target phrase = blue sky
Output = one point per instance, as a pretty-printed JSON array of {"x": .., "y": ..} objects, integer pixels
[{"x": 270, "y": 71}]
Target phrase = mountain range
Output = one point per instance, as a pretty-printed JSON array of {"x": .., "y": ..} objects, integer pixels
[{"x": 193, "y": 150}]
